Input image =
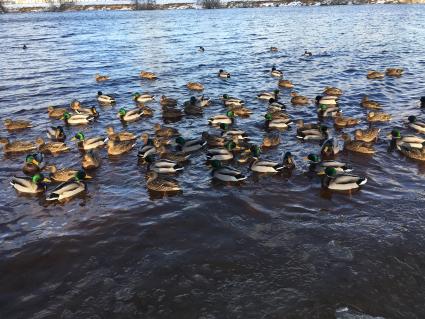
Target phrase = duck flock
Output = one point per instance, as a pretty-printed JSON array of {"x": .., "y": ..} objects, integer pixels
[{"x": 227, "y": 147}]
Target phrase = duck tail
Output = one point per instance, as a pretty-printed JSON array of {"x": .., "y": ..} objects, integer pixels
[
  {"x": 52, "y": 196},
  {"x": 362, "y": 181}
]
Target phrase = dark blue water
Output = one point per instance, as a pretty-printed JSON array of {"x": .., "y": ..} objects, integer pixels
[{"x": 274, "y": 247}]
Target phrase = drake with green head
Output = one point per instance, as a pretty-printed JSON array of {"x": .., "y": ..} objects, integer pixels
[
  {"x": 143, "y": 98},
  {"x": 33, "y": 164},
  {"x": 280, "y": 123},
  {"x": 222, "y": 153},
  {"x": 131, "y": 115},
  {"x": 69, "y": 189},
  {"x": 226, "y": 173},
  {"x": 410, "y": 141},
  {"x": 341, "y": 182},
  {"x": 30, "y": 185},
  {"x": 227, "y": 118},
  {"x": 56, "y": 133},
  {"x": 318, "y": 165},
  {"x": 77, "y": 119},
  {"x": 88, "y": 144},
  {"x": 413, "y": 123},
  {"x": 189, "y": 146}
]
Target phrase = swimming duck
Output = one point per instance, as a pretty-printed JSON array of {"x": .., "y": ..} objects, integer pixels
[
  {"x": 213, "y": 140},
  {"x": 394, "y": 72},
  {"x": 92, "y": 111},
  {"x": 262, "y": 166},
  {"x": 104, "y": 98},
  {"x": 165, "y": 131},
  {"x": 30, "y": 185},
  {"x": 241, "y": 111},
  {"x": 369, "y": 104},
  {"x": 101, "y": 78},
  {"x": 341, "y": 182},
  {"x": 90, "y": 160},
  {"x": 285, "y": 84},
  {"x": 422, "y": 101},
  {"x": 226, "y": 173},
  {"x": 17, "y": 146},
  {"x": 267, "y": 96},
  {"x": 189, "y": 146},
  {"x": 223, "y": 74},
  {"x": 276, "y": 73},
  {"x": 121, "y": 136},
  {"x": 192, "y": 107},
  {"x": 375, "y": 75},
  {"x": 311, "y": 132},
  {"x": 329, "y": 149},
  {"x": 201, "y": 49},
  {"x": 307, "y": 53},
  {"x": 231, "y": 101},
  {"x": 143, "y": 98},
  {"x": 378, "y": 117},
  {"x": 77, "y": 119},
  {"x": 195, "y": 86},
  {"x": 88, "y": 144},
  {"x": 51, "y": 147},
  {"x": 167, "y": 101},
  {"x": 56, "y": 133},
  {"x": 415, "y": 124},
  {"x": 318, "y": 165},
  {"x": 161, "y": 184},
  {"x": 163, "y": 166},
  {"x": 332, "y": 91},
  {"x": 276, "y": 106},
  {"x": 170, "y": 112},
  {"x": 341, "y": 121},
  {"x": 34, "y": 163},
  {"x": 270, "y": 140},
  {"x": 227, "y": 118},
  {"x": 222, "y": 153},
  {"x": 55, "y": 112},
  {"x": 298, "y": 99},
  {"x": 413, "y": 153},
  {"x": 147, "y": 150},
  {"x": 173, "y": 156},
  {"x": 69, "y": 189},
  {"x": 203, "y": 100},
  {"x": 148, "y": 75},
  {"x": 131, "y": 115},
  {"x": 326, "y": 100},
  {"x": 11, "y": 125},
  {"x": 116, "y": 147},
  {"x": 412, "y": 141},
  {"x": 328, "y": 110},
  {"x": 64, "y": 174},
  {"x": 147, "y": 111},
  {"x": 280, "y": 123},
  {"x": 232, "y": 133},
  {"x": 368, "y": 135},
  {"x": 274, "y": 49},
  {"x": 288, "y": 161},
  {"x": 356, "y": 146}
]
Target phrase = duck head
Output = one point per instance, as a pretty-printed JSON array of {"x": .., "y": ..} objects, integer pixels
[{"x": 79, "y": 136}]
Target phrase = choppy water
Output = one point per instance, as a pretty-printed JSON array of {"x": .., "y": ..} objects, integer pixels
[{"x": 274, "y": 247}]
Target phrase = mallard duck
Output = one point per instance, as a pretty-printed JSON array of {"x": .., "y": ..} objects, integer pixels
[
  {"x": 16, "y": 125},
  {"x": 143, "y": 98},
  {"x": 64, "y": 174},
  {"x": 267, "y": 95},
  {"x": 146, "y": 151},
  {"x": 307, "y": 53},
  {"x": 30, "y": 185},
  {"x": 173, "y": 156},
  {"x": 232, "y": 101},
  {"x": 227, "y": 118},
  {"x": 203, "y": 101},
  {"x": 165, "y": 131},
  {"x": 356, "y": 146},
  {"x": 312, "y": 132},
  {"x": 87, "y": 111},
  {"x": 222, "y": 153},
  {"x": 201, "y": 49},
  {"x": 163, "y": 166},
  {"x": 368, "y": 135},
  {"x": 148, "y": 75},
  {"x": 213, "y": 140},
  {"x": 329, "y": 149},
  {"x": 17, "y": 146},
  {"x": 77, "y": 119},
  {"x": 394, "y": 72},
  {"x": 101, "y": 78},
  {"x": 34, "y": 163},
  {"x": 90, "y": 161},
  {"x": 288, "y": 161},
  {"x": 104, "y": 98},
  {"x": 318, "y": 165},
  {"x": 226, "y": 173},
  {"x": 161, "y": 184},
  {"x": 170, "y": 112},
  {"x": 192, "y": 107},
  {"x": 116, "y": 147},
  {"x": 369, "y": 104},
  {"x": 328, "y": 110},
  {"x": 299, "y": 99},
  {"x": 274, "y": 49},
  {"x": 276, "y": 73},
  {"x": 341, "y": 121},
  {"x": 240, "y": 110},
  {"x": 332, "y": 91},
  {"x": 375, "y": 75},
  {"x": 232, "y": 133},
  {"x": 262, "y": 166},
  {"x": 280, "y": 123},
  {"x": 327, "y": 100},
  {"x": 189, "y": 146},
  {"x": 131, "y": 115},
  {"x": 147, "y": 111},
  {"x": 167, "y": 101},
  {"x": 55, "y": 112},
  {"x": 69, "y": 189},
  {"x": 88, "y": 144},
  {"x": 276, "y": 106},
  {"x": 56, "y": 133},
  {"x": 285, "y": 84},
  {"x": 378, "y": 117},
  {"x": 121, "y": 136},
  {"x": 411, "y": 141},
  {"x": 223, "y": 74},
  {"x": 51, "y": 147},
  {"x": 413, "y": 153},
  {"x": 415, "y": 124},
  {"x": 271, "y": 140},
  {"x": 249, "y": 155},
  {"x": 195, "y": 86},
  {"x": 341, "y": 182}
]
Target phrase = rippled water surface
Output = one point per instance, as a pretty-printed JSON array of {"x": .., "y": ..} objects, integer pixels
[{"x": 274, "y": 247}]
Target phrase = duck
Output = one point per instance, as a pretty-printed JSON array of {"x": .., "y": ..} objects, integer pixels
[
  {"x": 394, "y": 72},
  {"x": 120, "y": 136},
  {"x": 232, "y": 133},
  {"x": 412, "y": 141},
  {"x": 203, "y": 101},
  {"x": 192, "y": 107},
  {"x": 88, "y": 144},
  {"x": 56, "y": 112},
  {"x": 146, "y": 151},
  {"x": 164, "y": 166},
  {"x": 222, "y": 153},
  {"x": 189, "y": 146},
  {"x": 17, "y": 146},
  {"x": 367, "y": 135},
  {"x": 165, "y": 131},
  {"x": 318, "y": 165},
  {"x": 213, "y": 140},
  {"x": 422, "y": 102},
  {"x": 311, "y": 132},
  {"x": 131, "y": 115},
  {"x": 170, "y": 112},
  {"x": 161, "y": 184},
  {"x": 332, "y": 91},
  {"x": 299, "y": 99},
  {"x": 16, "y": 125},
  {"x": 274, "y": 49},
  {"x": 226, "y": 173},
  {"x": 51, "y": 147},
  {"x": 201, "y": 49},
  {"x": 227, "y": 118},
  {"x": 34, "y": 163},
  {"x": 328, "y": 110},
  {"x": 30, "y": 185},
  {"x": 356, "y": 146},
  {"x": 307, "y": 53},
  {"x": 326, "y": 100},
  {"x": 195, "y": 86},
  {"x": 281, "y": 123},
  {"x": 288, "y": 161},
  {"x": 143, "y": 98},
  {"x": 413, "y": 123},
  {"x": 56, "y": 133},
  {"x": 413, "y": 153},
  {"x": 180, "y": 157},
  {"x": 232, "y": 101},
  {"x": 378, "y": 117},
  {"x": 270, "y": 140},
  {"x": 64, "y": 174},
  {"x": 329, "y": 149},
  {"x": 241, "y": 111},
  {"x": 101, "y": 78},
  {"x": 276, "y": 106},
  {"x": 276, "y": 73},
  {"x": 69, "y": 189},
  {"x": 87, "y": 111},
  {"x": 90, "y": 160},
  {"x": 267, "y": 95},
  {"x": 285, "y": 84},
  {"x": 263, "y": 166},
  {"x": 373, "y": 75},
  {"x": 370, "y": 104},
  {"x": 148, "y": 75},
  {"x": 147, "y": 111},
  {"x": 116, "y": 147},
  {"x": 341, "y": 182},
  {"x": 167, "y": 101},
  {"x": 223, "y": 74},
  {"x": 104, "y": 98},
  {"x": 341, "y": 121},
  {"x": 77, "y": 119}
]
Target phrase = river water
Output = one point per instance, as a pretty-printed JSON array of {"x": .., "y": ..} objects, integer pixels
[{"x": 273, "y": 247}]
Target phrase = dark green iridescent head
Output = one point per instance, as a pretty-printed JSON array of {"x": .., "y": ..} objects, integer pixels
[
  {"x": 314, "y": 158},
  {"x": 180, "y": 140},
  {"x": 80, "y": 136},
  {"x": 330, "y": 171}
]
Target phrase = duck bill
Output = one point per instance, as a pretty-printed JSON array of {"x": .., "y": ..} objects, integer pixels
[
  {"x": 73, "y": 139},
  {"x": 35, "y": 162},
  {"x": 46, "y": 180},
  {"x": 88, "y": 177}
]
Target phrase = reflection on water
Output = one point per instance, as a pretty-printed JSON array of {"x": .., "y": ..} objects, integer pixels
[{"x": 271, "y": 247}]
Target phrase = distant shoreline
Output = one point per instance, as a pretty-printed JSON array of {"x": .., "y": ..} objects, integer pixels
[{"x": 194, "y": 6}]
